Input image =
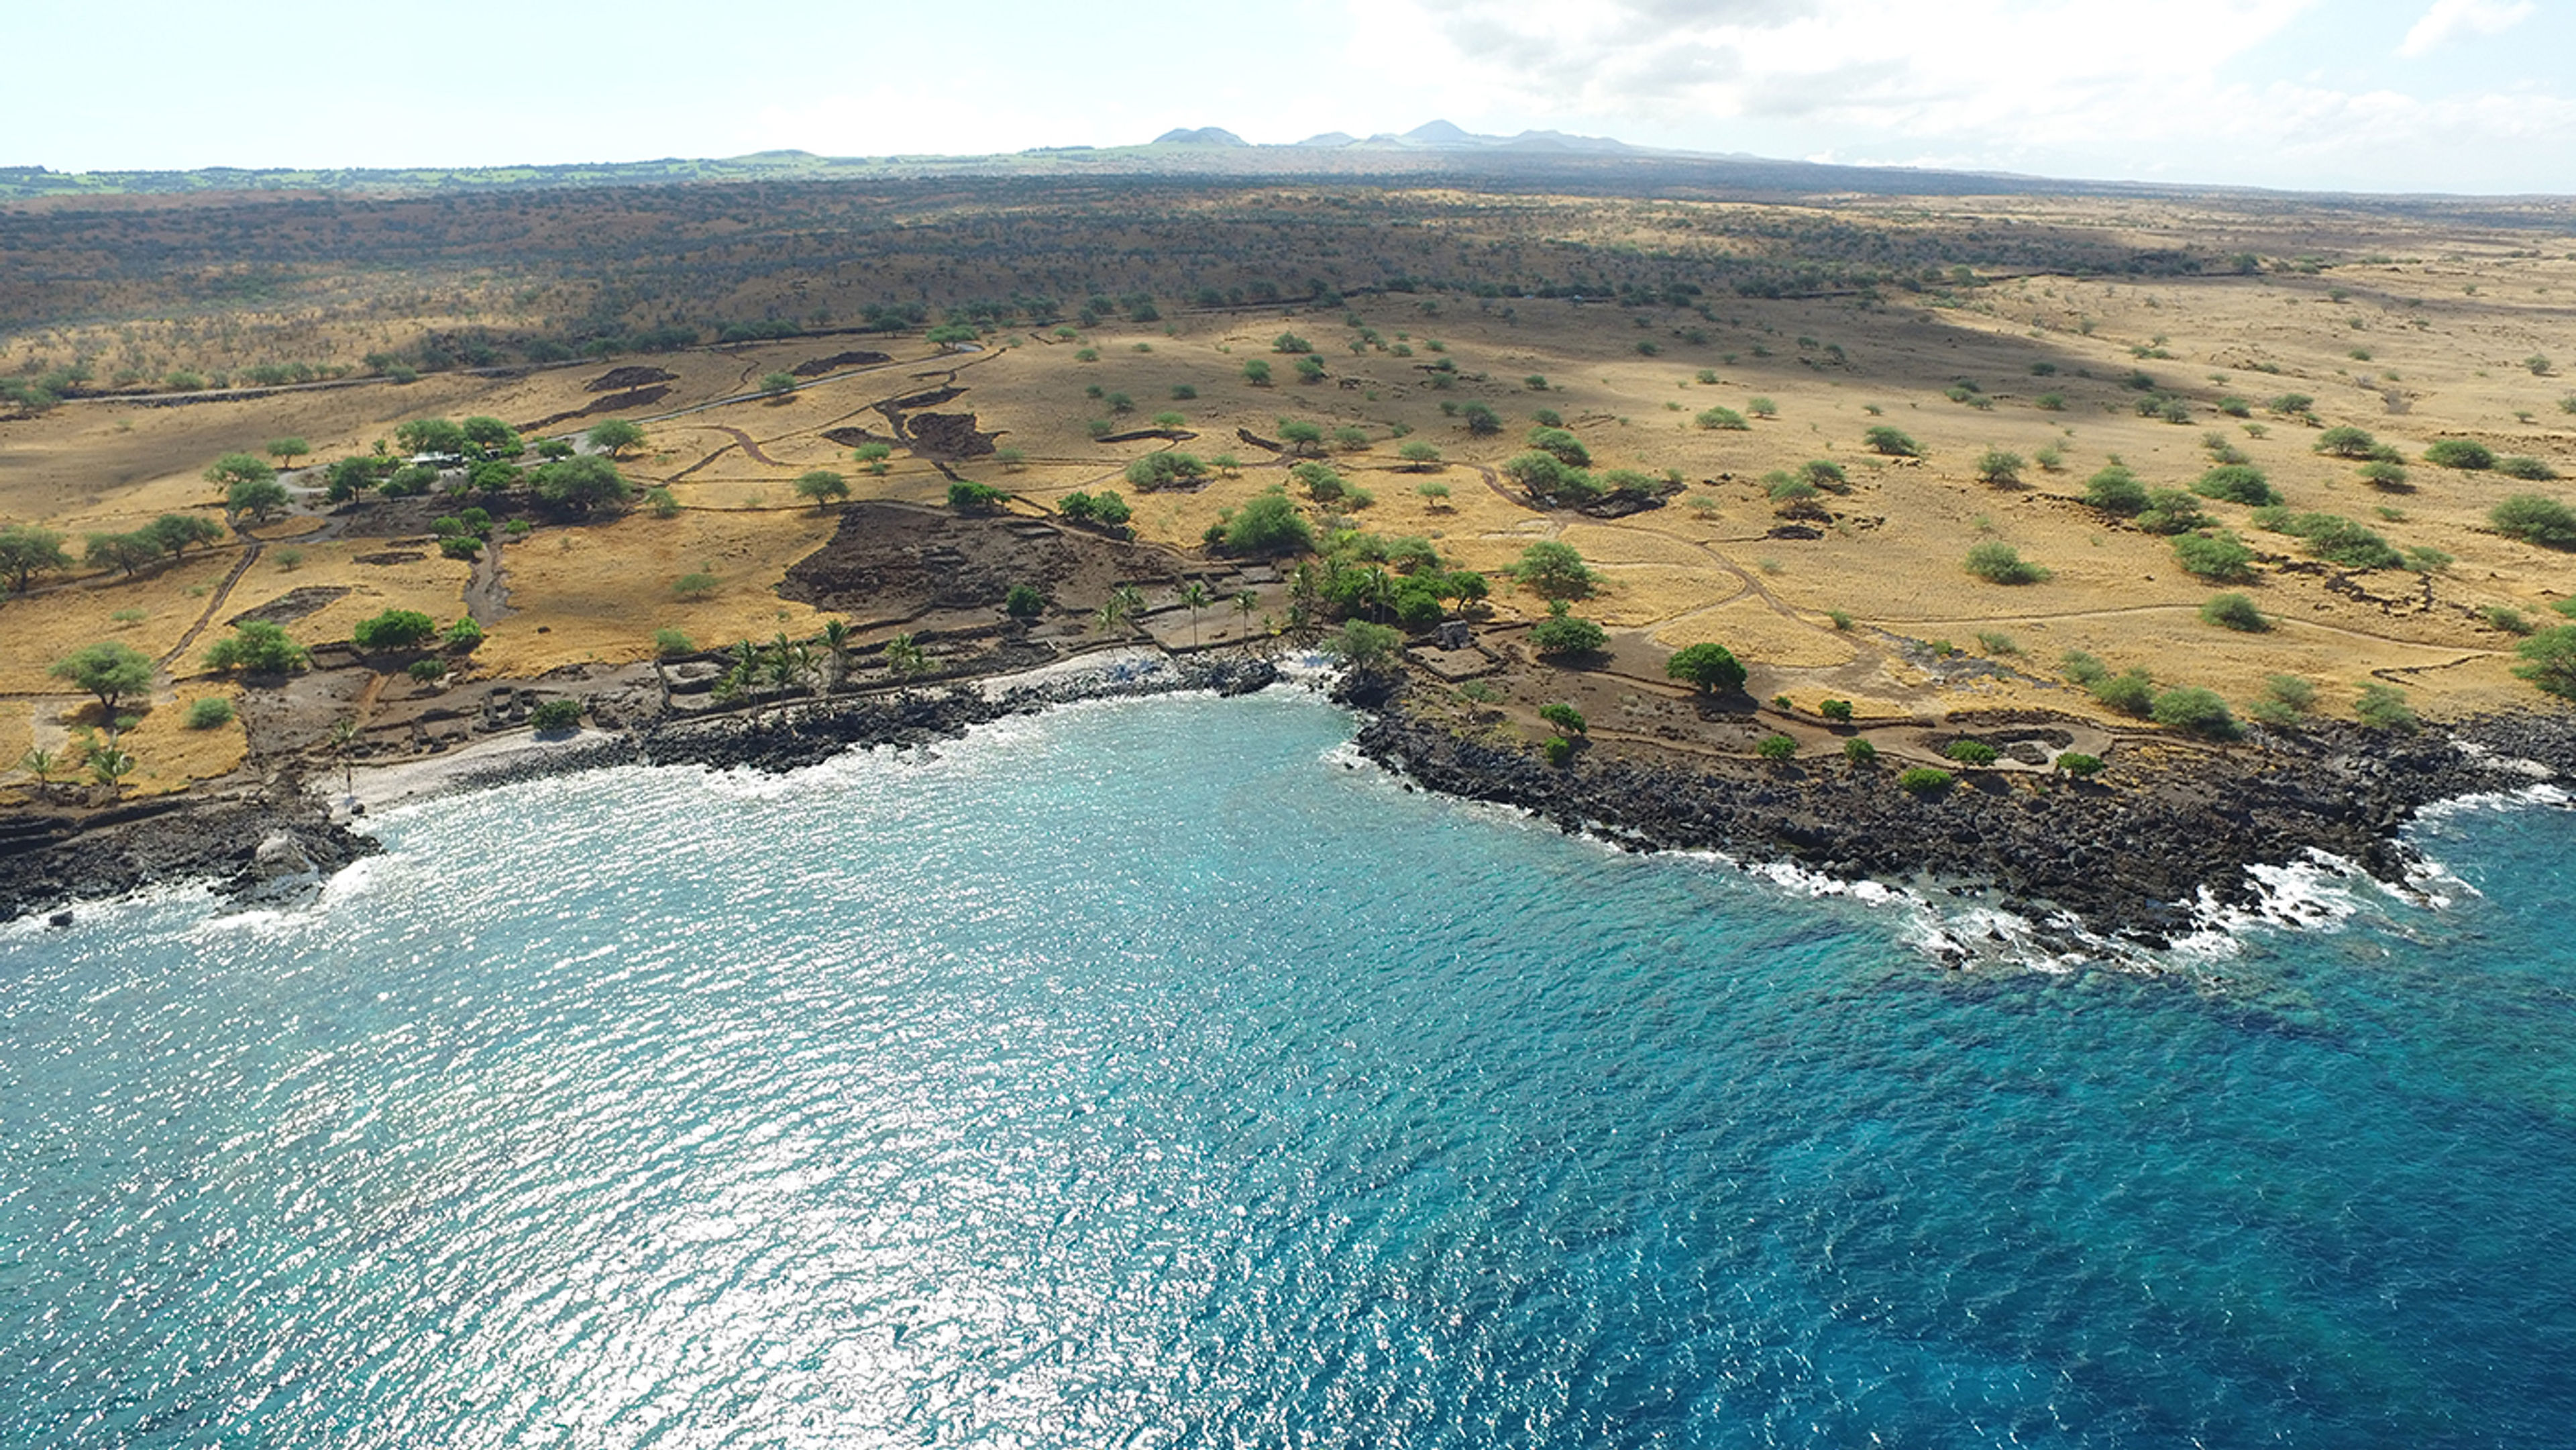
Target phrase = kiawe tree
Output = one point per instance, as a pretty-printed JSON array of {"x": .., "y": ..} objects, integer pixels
[
  {"x": 823, "y": 486},
  {"x": 1708, "y": 668},
  {"x": 109, "y": 670},
  {"x": 615, "y": 436},
  {"x": 26, "y": 552}
]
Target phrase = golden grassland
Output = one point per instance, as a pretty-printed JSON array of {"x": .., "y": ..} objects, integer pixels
[{"x": 2435, "y": 342}]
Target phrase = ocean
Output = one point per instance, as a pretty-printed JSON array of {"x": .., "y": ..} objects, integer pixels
[{"x": 1155, "y": 1073}]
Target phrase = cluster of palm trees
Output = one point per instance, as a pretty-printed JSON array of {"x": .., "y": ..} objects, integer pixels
[
  {"x": 1126, "y": 601},
  {"x": 817, "y": 666},
  {"x": 107, "y": 761}
]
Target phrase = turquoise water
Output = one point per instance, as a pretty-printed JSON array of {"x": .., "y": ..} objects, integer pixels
[{"x": 1143, "y": 1075}]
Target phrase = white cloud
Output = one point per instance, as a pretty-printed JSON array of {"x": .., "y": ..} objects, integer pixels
[
  {"x": 2450, "y": 19},
  {"x": 2063, "y": 87}
]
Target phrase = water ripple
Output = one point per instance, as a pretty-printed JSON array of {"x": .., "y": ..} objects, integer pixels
[{"x": 1139, "y": 1075}]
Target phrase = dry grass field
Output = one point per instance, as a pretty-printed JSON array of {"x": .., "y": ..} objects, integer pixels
[{"x": 2415, "y": 328}]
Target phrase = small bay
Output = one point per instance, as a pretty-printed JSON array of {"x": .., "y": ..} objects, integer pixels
[{"x": 1153, "y": 1073}]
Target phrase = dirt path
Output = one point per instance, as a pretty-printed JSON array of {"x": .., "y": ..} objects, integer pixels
[
  {"x": 742, "y": 440},
  {"x": 214, "y": 604},
  {"x": 486, "y": 596}
]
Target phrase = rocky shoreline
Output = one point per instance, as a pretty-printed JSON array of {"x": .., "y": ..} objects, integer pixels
[
  {"x": 285, "y": 841},
  {"x": 2131, "y": 858}
]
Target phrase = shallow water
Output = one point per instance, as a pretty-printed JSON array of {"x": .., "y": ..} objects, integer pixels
[{"x": 1142, "y": 1074}]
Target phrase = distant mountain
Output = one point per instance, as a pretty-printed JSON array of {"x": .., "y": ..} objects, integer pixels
[
  {"x": 1203, "y": 136},
  {"x": 1435, "y": 152}
]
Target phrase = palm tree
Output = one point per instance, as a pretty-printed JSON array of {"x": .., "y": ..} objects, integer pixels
[
  {"x": 743, "y": 675},
  {"x": 108, "y": 765},
  {"x": 837, "y": 638},
  {"x": 41, "y": 764},
  {"x": 904, "y": 656},
  {"x": 1195, "y": 597},
  {"x": 344, "y": 739},
  {"x": 789, "y": 663},
  {"x": 1120, "y": 606}
]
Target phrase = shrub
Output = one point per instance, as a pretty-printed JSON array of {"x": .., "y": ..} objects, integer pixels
[
  {"x": 464, "y": 636},
  {"x": 2339, "y": 540},
  {"x": 2549, "y": 660},
  {"x": 258, "y": 647},
  {"x": 2084, "y": 669},
  {"x": 2236, "y": 483},
  {"x": 1999, "y": 468},
  {"x": 2511, "y": 621},
  {"x": 1023, "y": 601},
  {"x": 208, "y": 712},
  {"x": 2530, "y": 470},
  {"x": 1564, "y": 634},
  {"x": 1256, "y": 372},
  {"x": 1839, "y": 711},
  {"x": 2172, "y": 511},
  {"x": 1289, "y": 342},
  {"x": 1553, "y": 570},
  {"x": 2285, "y": 699},
  {"x": 1997, "y": 562},
  {"x": 554, "y": 715},
  {"x": 2388, "y": 477},
  {"x": 2346, "y": 442},
  {"x": 2195, "y": 710},
  {"x": 394, "y": 629},
  {"x": 1725, "y": 419},
  {"x": 2382, "y": 707},
  {"x": 1567, "y": 448},
  {"x": 1971, "y": 752},
  {"x": 2077, "y": 763},
  {"x": 1560, "y": 751},
  {"x": 1825, "y": 474},
  {"x": 969, "y": 497},
  {"x": 2535, "y": 520},
  {"x": 2461, "y": 453},
  {"x": 2131, "y": 692},
  {"x": 1708, "y": 668},
  {"x": 2115, "y": 490},
  {"x": 1168, "y": 469},
  {"x": 1996, "y": 642},
  {"x": 2236, "y": 612},
  {"x": 1891, "y": 442},
  {"x": 426, "y": 670},
  {"x": 1924, "y": 780},
  {"x": 1564, "y": 717},
  {"x": 695, "y": 585},
  {"x": 670, "y": 642},
  {"x": 1310, "y": 370},
  {"x": 2219, "y": 557},
  {"x": 1267, "y": 525},
  {"x": 1775, "y": 747},
  {"x": 662, "y": 503},
  {"x": 1859, "y": 751}
]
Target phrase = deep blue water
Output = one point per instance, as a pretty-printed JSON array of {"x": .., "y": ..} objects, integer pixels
[{"x": 1141, "y": 1075}]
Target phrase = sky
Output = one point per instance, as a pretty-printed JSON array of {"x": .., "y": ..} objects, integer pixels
[{"x": 2359, "y": 95}]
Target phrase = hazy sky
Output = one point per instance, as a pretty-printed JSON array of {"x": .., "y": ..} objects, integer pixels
[{"x": 2383, "y": 95}]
